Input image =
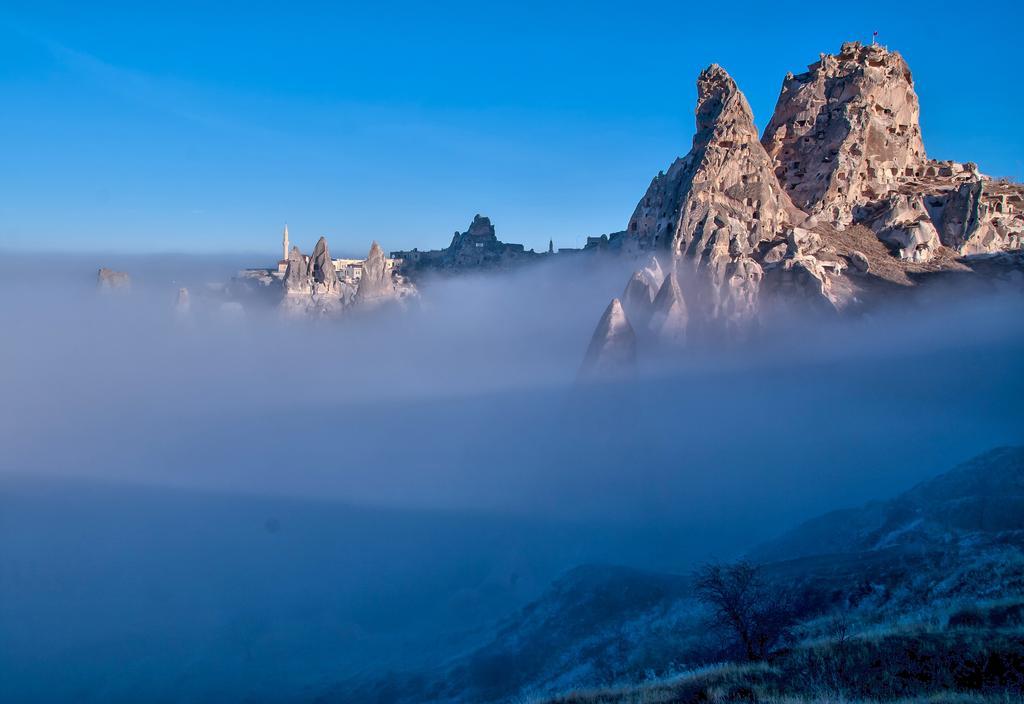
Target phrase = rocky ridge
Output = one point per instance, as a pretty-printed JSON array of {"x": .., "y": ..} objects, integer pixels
[
  {"x": 476, "y": 248},
  {"x": 311, "y": 286},
  {"x": 837, "y": 200}
]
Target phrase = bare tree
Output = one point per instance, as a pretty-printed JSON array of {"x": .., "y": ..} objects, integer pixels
[{"x": 743, "y": 603}]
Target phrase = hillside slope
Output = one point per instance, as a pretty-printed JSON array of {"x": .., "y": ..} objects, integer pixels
[{"x": 950, "y": 546}]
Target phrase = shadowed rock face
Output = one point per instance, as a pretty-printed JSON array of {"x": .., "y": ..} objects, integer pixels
[
  {"x": 637, "y": 298},
  {"x": 612, "y": 350},
  {"x": 725, "y": 189},
  {"x": 978, "y": 217},
  {"x": 845, "y": 130},
  {"x": 322, "y": 271},
  {"x": 670, "y": 318}
]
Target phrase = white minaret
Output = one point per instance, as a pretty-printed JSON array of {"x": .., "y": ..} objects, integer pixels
[{"x": 284, "y": 241}]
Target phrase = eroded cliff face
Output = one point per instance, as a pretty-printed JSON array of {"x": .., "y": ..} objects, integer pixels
[
  {"x": 716, "y": 209},
  {"x": 724, "y": 189},
  {"x": 836, "y": 200},
  {"x": 846, "y": 130},
  {"x": 846, "y": 142}
]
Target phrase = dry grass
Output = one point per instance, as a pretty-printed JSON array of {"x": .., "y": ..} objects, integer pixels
[
  {"x": 883, "y": 264},
  {"x": 902, "y": 666}
]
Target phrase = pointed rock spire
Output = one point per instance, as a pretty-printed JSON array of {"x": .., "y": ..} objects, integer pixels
[
  {"x": 727, "y": 181},
  {"x": 637, "y": 298},
  {"x": 670, "y": 318},
  {"x": 297, "y": 280},
  {"x": 322, "y": 271},
  {"x": 612, "y": 350},
  {"x": 375, "y": 282}
]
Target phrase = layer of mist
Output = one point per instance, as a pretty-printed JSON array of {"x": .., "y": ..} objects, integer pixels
[{"x": 226, "y": 505}]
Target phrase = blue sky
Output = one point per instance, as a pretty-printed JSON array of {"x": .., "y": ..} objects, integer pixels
[{"x": 204, "y": 129}]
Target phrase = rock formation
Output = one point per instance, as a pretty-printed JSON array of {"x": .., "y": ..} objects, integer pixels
[
  {"x": 724, "y": 191},
  {"x": 110, "y": 279},
  {"x": 327, "y": 292},
  {"x": 375, "y": 283},
  {"x": 637, "y": 299},
  {"x": 476, "y": 248},
  {"x": 982, "y": 216},
  {"x": 652, "y": 273},
  {"x": 612, "y": 350},
  {"x": 321, "y": 271},
  {"x": 846, "y": 141},
  {"x": 718, "y": 208},
  {"x": 902, "y": 221},
  {"x": 785, "y": 215},
  {"x": 845, "y": 130},
  {"x": 297, "y": 285},
  {"x": 669, "y": 318},
  {"x": 311, "y": 286},
  {"x": 297, "y": 280},
  {"x": 735, "y": 292}
]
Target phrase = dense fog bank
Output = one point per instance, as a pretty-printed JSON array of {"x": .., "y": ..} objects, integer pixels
[{"x": 292, "y": 501}]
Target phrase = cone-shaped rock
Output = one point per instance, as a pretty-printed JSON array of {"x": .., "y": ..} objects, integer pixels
[
  {"x": 670, "y": 317},
  {"x": 637, "y": 298},
  {"x": 322, "y": 271},
  {"x": 296, "y": 277},
  {"x": 846, "y": 130},
  {"x": 376, "y": 280},
  {"x": 725, "y": 185},
  {"x": 612, "y": 350}
]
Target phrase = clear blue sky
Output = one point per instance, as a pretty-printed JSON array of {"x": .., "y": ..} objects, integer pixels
[{"x": 188, "y": 127}]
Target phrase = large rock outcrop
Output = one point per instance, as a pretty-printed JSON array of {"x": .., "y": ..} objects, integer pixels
[
  {"x": 724, "y": 189},
  {"x": 612, "y": 350},
  {"x": 846, "y": 142},
  {"x": 846, "y": 130},
  {"x": 311, "y": 285}
]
